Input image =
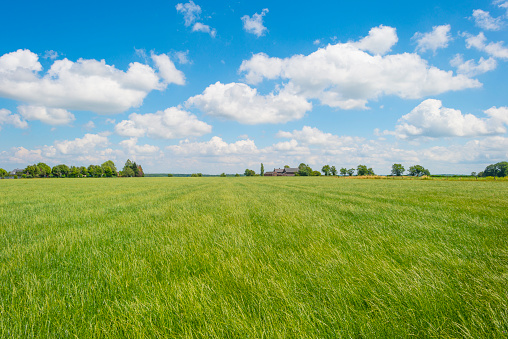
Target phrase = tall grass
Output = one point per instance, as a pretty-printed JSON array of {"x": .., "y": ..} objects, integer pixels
[{"x": 253, "y": 257}]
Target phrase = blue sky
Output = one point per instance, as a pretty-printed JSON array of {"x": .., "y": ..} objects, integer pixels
[{"x": 213, "y": 87}]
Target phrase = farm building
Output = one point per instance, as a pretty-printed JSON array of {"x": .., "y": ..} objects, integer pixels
[{"x": 282, "y": 172}]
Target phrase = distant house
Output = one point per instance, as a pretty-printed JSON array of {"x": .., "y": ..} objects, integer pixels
[
  {"x": 16, "y": 171},
  {"x": 282, "y": 172}
]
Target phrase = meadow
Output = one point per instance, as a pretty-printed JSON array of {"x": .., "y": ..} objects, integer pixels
[{"x": 253, "y": 257}]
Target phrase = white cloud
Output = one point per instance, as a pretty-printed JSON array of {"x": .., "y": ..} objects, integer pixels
[
  {"x": 134, "y": 149},
  {"x": 317, "y": 42},
  {"x": 6, "y": 117},
  {"x": 484, "y": 20},
  {"x": 172, "y": 123},
  {"x": 254, "y": 24},
  {"x": 89, "y": 125},
  {"x": 239, "y": 102},
  {"x": 216, "y": 146},
  {"x": 498, "y": 114},
  {"x": 344, "y": 76},
  {"x": 83, "y": 85},
  {"x": 313, "y": 136},
  {"x": 495, "y": 49},
  {"x": 200, "y": 27},
  {"x": 470, "y": 68},
  {"x": 379, "y": 41},
  {"x": 182, "y": 57},
  {"x": 50, "y": 55},
  {"x": 438, "y": 38},
  {"x": 168, "y": 70},
  {"x": 81, "y": 146},
  {"x": 190, "y": 12},
  {"x": 50, "y": 116},
  {"x": 431, "y": 119}
]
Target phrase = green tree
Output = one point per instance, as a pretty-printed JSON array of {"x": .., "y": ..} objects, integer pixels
[
  {"x": 108, "y": 171},
  {"x": 304, "y": 170},
  {"x": 496, "y": 170},
  {"x": 326, "y": 170},
  {"x": 3, "y": 173},
  {"x": 249, "y": 173},
  {"x": 32, "y": 171},
  {"x": 343, "y": 171},
  {"x": 111, "y": 166},
  {"x": 74, "y": 172},
  {"x": 60, "y": 171},
  {"x": 287, "y": 166},
  {"x": 83, "y": 171},
  {"x": 95, "y": 171},
  {"x": 262, "y": 172},
  {"x": 351, "y": 171},
  {"x": 333, "y": 170},
  {"x": 418, "y": 171},
  {"x": 127, "y": 172},
  {"x": 223, "y": 174},
  {"x": 170, "y": 175},
  {"x": 237, "y": 175},
  {"x": 44, "y": 169},
  {"x": 398, "y": 169},
  {"x": 315, "y": 173},
  {"x": 362, "y": 170}
]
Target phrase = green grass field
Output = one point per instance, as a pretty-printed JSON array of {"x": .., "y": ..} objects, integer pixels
[{"x": 253, "y": 257}]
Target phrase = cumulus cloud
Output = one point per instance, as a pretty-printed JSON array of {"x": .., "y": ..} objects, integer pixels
[
  {"x": 7, "y": 117},
  {"x": 167, "y": 70},
  {"x": 346, "y": 77},
  {"x": 483, "y": 20},
  {"x": 495, "y": 49},
  {"x": 50, "y": 116},
  {"x": 498, "y": 114},
  {"x": 200, "y": 27},
  {"x": 80, "y": 146},
  {"x": 470, "y": 68},
  {"x": 134, "y": 149},
  {"x": 239, "y": 102},
  {"x": 313, "y": 136},
  {"x": 172, "y": 123},
  {"x": 379, "y": 41},
  {"x": 438, "y": 38},
  {"x": 431, "y": 119},
  {"x": 88, "y": 85},
  {"x": 254, "y": 24},
  {"x": 215, "y": 146},
  {"x": 190, "y": 12}
]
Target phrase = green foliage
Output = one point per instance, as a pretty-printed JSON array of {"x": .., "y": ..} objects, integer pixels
[
  {"x": 362, "y": 170},
  {"x": 333, "y": 170},
  {"x": 262, "y": 172},
  {"x": 398, "y": 169},
  {"x": 287, "y": 166},
  {"x": 3, "y": 173},
  {"x": 304, "y": 170},
  {"x": 326, "y": 170},
  {"x": 249, "y": 173},
  {"x": 170, "y": 175},
  {"x": 496, "y": 170},
  {"x": 351, "y": 171},
  {"x": 60, "y": 171},
  {"x": 237, "y": 175},
  {"x": 418, "y": 171},
  {"x": 44, "y": 170},
  {"x": 195, "y": 175},
  {"x": 343, "y": 171},
  {"x": 315, "y": 173},
  {"x": 112, "y": 168},
  {"x": 223, "y": 175}
]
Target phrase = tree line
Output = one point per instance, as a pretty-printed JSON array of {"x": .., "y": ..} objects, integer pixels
[{"x": 107, "y": 169}]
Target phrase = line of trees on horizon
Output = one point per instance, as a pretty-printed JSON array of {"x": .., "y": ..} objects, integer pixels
[{"x": 107, "y": 169}]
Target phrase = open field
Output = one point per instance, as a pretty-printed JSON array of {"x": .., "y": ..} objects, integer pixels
[{"x": 253, "y": 257}]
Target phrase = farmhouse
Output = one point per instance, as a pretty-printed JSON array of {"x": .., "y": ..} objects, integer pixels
[{"x": 282, "y": 172}]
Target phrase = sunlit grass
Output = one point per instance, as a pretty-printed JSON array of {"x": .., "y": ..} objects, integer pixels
[{"x": 253, "y": 257}]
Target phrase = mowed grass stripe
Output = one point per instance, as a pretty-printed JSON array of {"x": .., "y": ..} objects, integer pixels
[{"x": 252, "y": 257}]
